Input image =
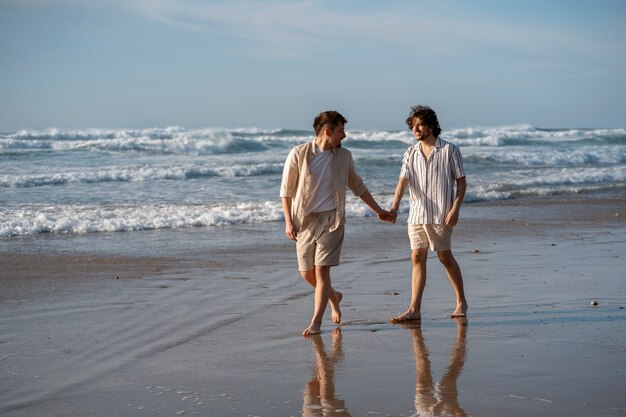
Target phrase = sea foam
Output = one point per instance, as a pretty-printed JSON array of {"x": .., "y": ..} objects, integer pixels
[
  {"x": 71, "y": 219},
  {"x": 138, "y": 174}
]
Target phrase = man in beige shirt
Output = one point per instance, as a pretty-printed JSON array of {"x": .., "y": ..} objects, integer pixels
[{"x": 313, "y": 196}]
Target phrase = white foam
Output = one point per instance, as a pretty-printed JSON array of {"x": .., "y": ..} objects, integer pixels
[
  {"x": 505, "y": 135},
  {"x": 551, "y": 181},
  {"x": 171, "y": 140},
  {"x": 527, "y": 156},
  {"x": 139, "y": 174},
  {"x": 89, "y": 219},
  {"x": 215, "y": 141}
]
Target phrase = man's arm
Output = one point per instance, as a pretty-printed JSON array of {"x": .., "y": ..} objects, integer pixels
[
  {"x": 452, "y": 218},
  {"x": 397, "y": 198},
  {"x": 290, "y": 231}
]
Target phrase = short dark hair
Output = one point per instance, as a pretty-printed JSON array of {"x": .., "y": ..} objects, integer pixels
[
  {"x": 330, "y": 118},
  {"x": 427, "y": 116}
]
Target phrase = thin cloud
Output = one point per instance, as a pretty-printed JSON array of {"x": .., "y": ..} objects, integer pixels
[
  {"x": 299, "y": 27},
  {"x": 276, "y": 27},
  {"x": 302, "y": 29}
]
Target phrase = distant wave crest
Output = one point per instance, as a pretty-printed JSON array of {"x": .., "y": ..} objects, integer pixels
[
  {"x": 171, "y": 140},
  {"x": 527, "y": 134},
  {"x": 138, "y": 174},
  {"x": 177, "y": 140}
]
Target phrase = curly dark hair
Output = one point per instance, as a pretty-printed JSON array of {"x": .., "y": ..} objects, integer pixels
[
  {"x": 427, "y": 116},
  {"x": 330, "y": 118}
]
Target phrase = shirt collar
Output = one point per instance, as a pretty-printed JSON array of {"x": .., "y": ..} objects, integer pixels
[
  {"x": 313, "y": 148},
  {"x": 438, "y": 143}
]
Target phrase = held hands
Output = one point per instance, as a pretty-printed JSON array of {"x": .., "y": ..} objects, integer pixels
[
  {"x": 394, "y": 212},
  {"x": 387, "y": 216}
]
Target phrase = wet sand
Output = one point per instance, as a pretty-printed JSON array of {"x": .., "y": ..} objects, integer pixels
[{"x": 168, "y": 323}]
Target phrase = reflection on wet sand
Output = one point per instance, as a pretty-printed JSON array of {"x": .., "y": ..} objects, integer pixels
[
  {"x": 440, "y": 399},
  {"x": 319, "y": 392}
]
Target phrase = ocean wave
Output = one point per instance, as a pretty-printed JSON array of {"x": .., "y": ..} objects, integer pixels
[
  {"x": 529, "y": 135},
  {"x": 33, "y": 219},
  {"x": 477, "y": 195},
  {"x": 498, "y": 136},
  {"x": 582, "y": 155},
  {"x": 548, "y": 182},
  {"x": 519, "y": 135},
  {"x": 172, "y": 140},
  {"x": 196, "y": 172},
  {"x": 62, "y": 219},
  {"x": 71, "y": 219},
  {"x": 214, "y": 141},
  {"x": 139, "y": 174}
]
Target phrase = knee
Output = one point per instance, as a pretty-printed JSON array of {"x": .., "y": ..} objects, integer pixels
[
  {"x": 322, "y": 273},
  {"x": 446, "y": 258},
  {"x": 418, "y": 256},
  {"x": 308, "y": 275}
]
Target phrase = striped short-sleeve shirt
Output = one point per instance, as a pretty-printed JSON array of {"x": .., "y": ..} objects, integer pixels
[{"x": 432, "y": 181}]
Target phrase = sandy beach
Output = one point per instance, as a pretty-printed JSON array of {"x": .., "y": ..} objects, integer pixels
[{"x": 174, "y": 322}]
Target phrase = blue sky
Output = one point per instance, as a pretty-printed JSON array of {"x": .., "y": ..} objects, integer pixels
[{"x": 190, "y": 63}]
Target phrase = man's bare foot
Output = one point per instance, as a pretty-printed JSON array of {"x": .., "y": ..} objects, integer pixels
[
  {"x": 407, "y": 316},
  {"x": 334, "y": 305},
  {"x": 460, "y": 311},
  {"x": 314, "y": 328}
]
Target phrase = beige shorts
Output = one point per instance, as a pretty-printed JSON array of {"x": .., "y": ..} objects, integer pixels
[
  {"x": 316, "y": 246},
  {"x": 436, "y": 236}
]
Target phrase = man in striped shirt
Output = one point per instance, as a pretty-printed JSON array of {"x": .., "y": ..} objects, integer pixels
[{"x": 431, "y": 169}]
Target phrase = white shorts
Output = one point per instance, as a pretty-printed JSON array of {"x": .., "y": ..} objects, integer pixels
[{"x": 436, "y": 236}]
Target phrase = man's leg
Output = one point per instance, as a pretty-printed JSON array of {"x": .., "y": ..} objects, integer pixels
[
  {"x": 334, "y": 298},
  {"x": 425, "y": 400},
  {"x": 418, "y": 283},
  {"x": 456, "y": 280},
  {"x": 322, "y": 293},
  {"x": 447, "y": 388}
]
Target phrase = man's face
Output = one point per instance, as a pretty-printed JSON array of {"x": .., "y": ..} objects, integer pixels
[
  {"x": 336, "y": 135},
  {"x": 420, "y": 130}
]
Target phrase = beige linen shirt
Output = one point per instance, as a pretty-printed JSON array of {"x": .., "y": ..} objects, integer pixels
[{"x": 297, "y": 185}]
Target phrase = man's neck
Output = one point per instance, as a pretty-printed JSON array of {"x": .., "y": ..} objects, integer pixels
[{"x": 323, "y": 143}]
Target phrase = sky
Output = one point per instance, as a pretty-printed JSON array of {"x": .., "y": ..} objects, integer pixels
[{"x": 74, "y": 64}]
